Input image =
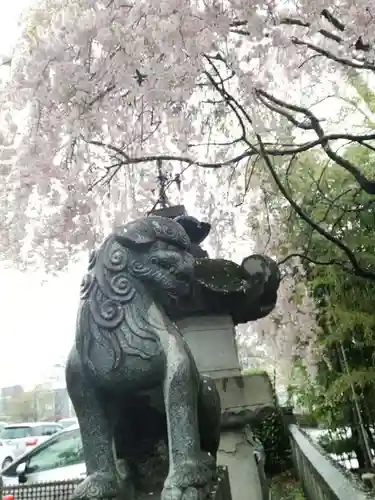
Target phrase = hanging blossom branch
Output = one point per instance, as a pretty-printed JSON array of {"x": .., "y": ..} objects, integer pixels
[
  {"x": 239, "y": 28},
  {"x": 267, "y": 151},
  {"x": 311, "y": 122},
  {"x": 242, "y": 115},
  {"x": 277, "y": 150},
  {"x": 304, "y": 256},
  {"x": 280, "y": 107},
  {"x": 358, "y": 270},
  {"x": 352, "y": 63},
  {"x": 273, "y": 104},
  {"x": 335, "y": 32}
]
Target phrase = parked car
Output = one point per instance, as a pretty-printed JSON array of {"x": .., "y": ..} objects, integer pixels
[
  {"x": 68, "y": 422},
  {"x": 2, "y": 427},
  {"x": 6, "y": 455},
  {"x": 22, "y": 437},
  {"x": 59, "y": 458}
]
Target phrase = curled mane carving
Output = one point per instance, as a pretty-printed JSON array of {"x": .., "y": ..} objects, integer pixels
[{"x": 114, "y": 301}]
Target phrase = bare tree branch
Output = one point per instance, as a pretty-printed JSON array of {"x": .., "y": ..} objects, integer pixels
[
  {"x": 329, "y": 55},
  {"x": 358, "y": 270},
  {"x": 302, "y": 256},
  {"x": 127, "y": 160},
  {"x": 313, "y": 123}
]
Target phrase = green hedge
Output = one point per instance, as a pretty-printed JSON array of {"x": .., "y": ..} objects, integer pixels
[
  {"x": 270, "y": 429},
  {"x": 306, "y": 420}
]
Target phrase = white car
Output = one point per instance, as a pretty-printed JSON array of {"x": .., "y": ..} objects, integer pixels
[
  {"x": 2, "y": 425},
  {"x": 23, "y": 437},
  {"x": 60, "y": 458},
  {"x": 6, "y": 455},
  {"x": 68, "y": 422}
]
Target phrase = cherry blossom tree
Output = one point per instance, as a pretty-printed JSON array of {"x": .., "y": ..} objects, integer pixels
[
  {"x": 226, "y": 94},
  {"x": 90, "y": 106},
  {"x": 240, "y": 228}
]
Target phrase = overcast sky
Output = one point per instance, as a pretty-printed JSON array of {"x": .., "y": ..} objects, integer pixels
[
  {"x": 9, "y": 14},
  {"x": 36, "y": 321}
]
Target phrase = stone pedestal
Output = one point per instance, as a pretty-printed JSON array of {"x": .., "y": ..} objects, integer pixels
[
  {"x": 237, "y": 453},
  {"x": 241, "y": 400},
  {"x": 212, "y": 342},
  {"x": 249, "y": 394}
]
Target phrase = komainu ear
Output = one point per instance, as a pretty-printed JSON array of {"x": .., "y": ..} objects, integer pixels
[
  {"x": 195, "y": 229},
  {"x": 135, "y": 234}
]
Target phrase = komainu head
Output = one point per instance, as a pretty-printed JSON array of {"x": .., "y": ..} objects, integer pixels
[{"x": 156, "y": 251}]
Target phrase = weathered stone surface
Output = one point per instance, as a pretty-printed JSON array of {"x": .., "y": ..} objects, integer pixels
[
  {"x": 170, "y": 212},
  {"x": 322, "y": 478},
  {"x": 251, "y": 391},
  {"x": 131, "y": 377},
  {"x": 133, "y": 380},
  {"x": 245, "y": 292},
  {"x": 236, "y": 451},
  {"x": 220, "y": 489},
  {"x": 243, "y": 398},
  {"x": 213, "y": 344}
]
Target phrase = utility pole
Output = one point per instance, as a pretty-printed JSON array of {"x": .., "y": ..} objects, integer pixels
[{"x": 357, "y": 408}]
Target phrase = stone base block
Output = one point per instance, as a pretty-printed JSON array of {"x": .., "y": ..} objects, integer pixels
[
  {"x": 245, "y": 393},
  {"x": 212, "y": 342}
]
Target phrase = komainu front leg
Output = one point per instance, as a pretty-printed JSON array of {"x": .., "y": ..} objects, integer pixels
[
  {"x": 191, "y": 470},
  {"x": 102, "y": 478}
]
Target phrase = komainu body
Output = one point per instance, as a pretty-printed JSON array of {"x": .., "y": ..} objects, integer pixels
[{"x": 133, "y": 382}]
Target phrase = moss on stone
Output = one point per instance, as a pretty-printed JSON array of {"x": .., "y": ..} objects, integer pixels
[{"x": 220, "y": 275}]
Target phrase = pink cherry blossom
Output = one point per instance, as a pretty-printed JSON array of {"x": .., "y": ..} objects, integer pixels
[{"x": 133, "y": 76}]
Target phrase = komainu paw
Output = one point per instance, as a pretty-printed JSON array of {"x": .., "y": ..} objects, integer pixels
[
  {"x": 97, "y": 486},
  {"x": 192, "y": 480}
]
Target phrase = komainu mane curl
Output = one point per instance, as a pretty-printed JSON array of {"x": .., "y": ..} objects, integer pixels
[{"x": 114, "y": 300}]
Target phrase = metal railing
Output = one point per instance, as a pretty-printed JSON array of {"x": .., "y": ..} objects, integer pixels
[
  {"x": 54, "y": 490},
  {"x": 321, "y": 479}
]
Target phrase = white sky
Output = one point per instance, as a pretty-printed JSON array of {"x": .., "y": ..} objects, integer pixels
[
  {"x": 9, "y": 15},
  {"x": 37, "y": 321},
  {"x": 37, "y": 324}
]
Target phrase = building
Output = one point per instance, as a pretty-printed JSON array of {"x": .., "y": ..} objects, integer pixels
[
  {"x": 63, "y": 406},
  {"x": 7, "y": 393}
]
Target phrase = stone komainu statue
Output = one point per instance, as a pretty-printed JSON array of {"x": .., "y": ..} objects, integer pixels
[{"x": 130, "y": 375}]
